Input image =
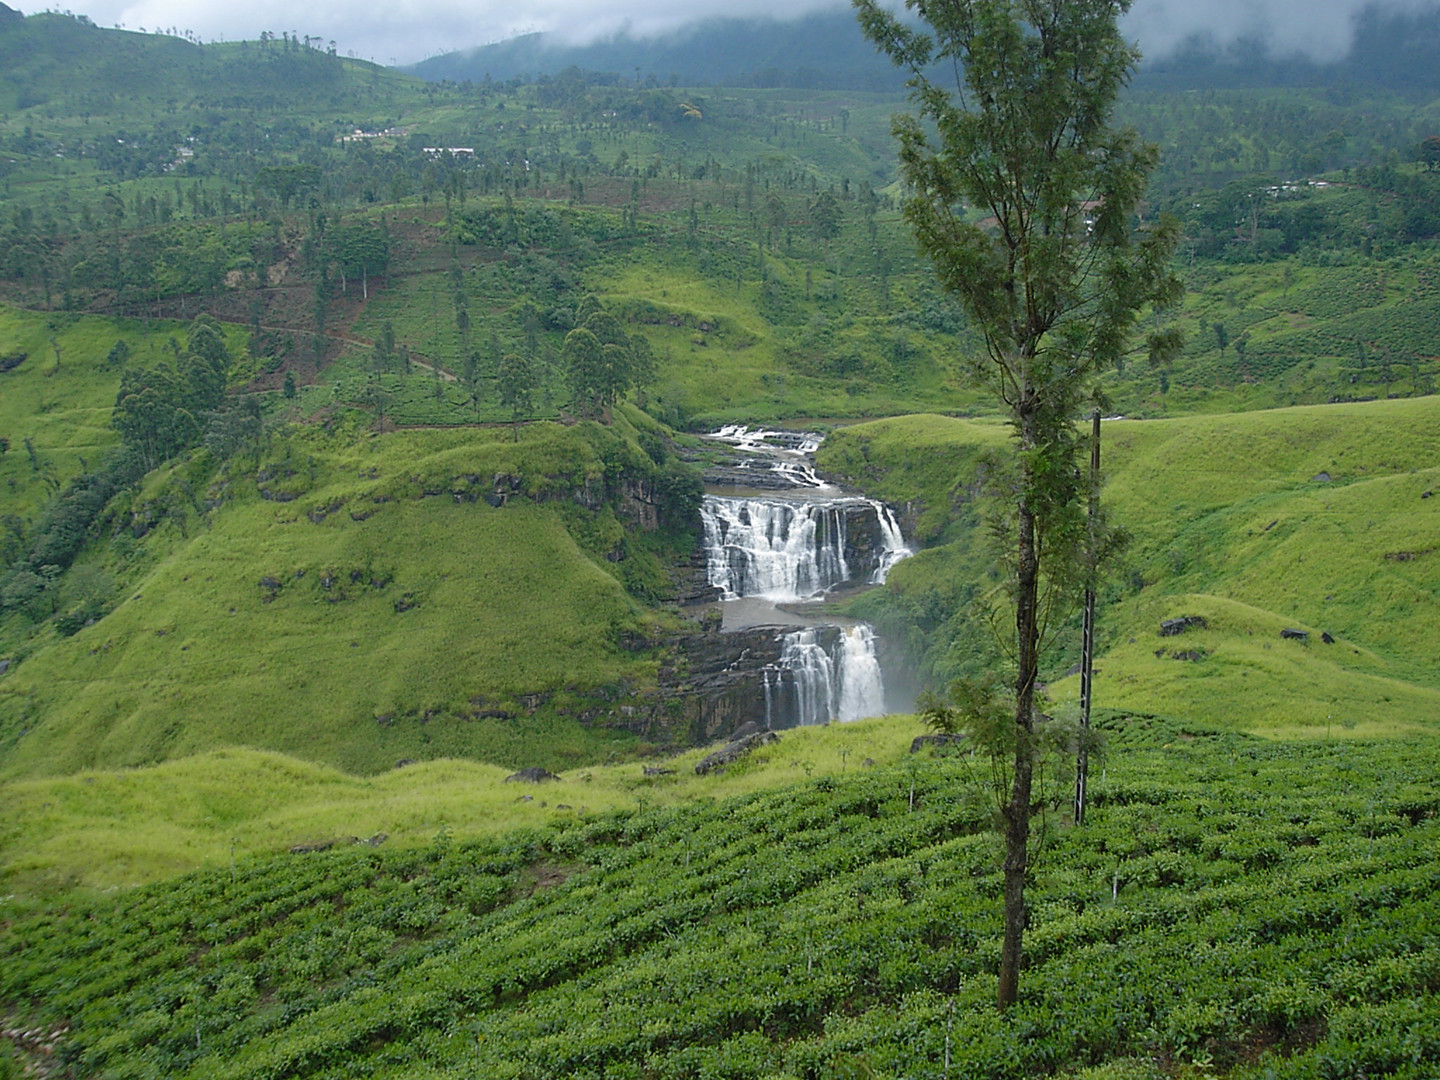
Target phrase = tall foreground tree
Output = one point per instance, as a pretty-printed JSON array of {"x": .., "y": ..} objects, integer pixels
[{"x": 1025, "y": 199}]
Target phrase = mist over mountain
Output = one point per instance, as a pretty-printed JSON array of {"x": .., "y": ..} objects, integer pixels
[
  {"x": 1390, "y": 47},
  {"x": 820, "y": 51}
]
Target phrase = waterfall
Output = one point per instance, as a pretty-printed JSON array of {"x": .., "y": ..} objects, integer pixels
[
  {"x": 794, "y": 546},
  {"x": 788, "y": 550},
  {"x": 862, "y": 691},
  {"x": 779, "y": 550},
  {"x": 760, "y": 439},
  {"x": 895, "y": 547},
  {"x": 815, "y": 682}
]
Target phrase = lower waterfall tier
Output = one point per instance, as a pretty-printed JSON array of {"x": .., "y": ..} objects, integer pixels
[{"x": 823, "y": 674}]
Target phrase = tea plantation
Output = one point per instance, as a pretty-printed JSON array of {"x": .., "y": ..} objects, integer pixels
[{"x": 1232, "y": 907}]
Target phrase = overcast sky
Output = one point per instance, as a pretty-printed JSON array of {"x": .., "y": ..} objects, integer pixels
[{"x": 404, "y": 31}]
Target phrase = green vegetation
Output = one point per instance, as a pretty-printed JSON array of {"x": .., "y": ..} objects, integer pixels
[
  {"x": 1312, "y": 518},
  {"x": 1023, "y": 134},
  {"x": 390, "y": 538},
  {"x": 101, "y": 829},
  {"x": 354, "y": 598},
  {"x": 1232, "y": 908}
]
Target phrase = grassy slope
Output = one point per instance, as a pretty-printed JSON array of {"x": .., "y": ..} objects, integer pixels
[
  {"x": 1232, "y": 908},
  {"x": 64, "y": 409},
  {"x": 739, "y": 373},
  {"x": 502, "y": 603},
  {"x": 1229, "y": 522},
  {"x": 99, "y": 829},
  {"x": 65, "y": 413},
  {"x": 66, "y": 72}
]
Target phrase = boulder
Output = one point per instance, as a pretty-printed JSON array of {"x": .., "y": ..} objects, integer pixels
[
  {"x": 734, "y": 751},
  {"x": 935, "y": 742},
  {"x": 306, "y": 849},
  {"x": 1181, "y": 623},
  {"x": 533, "y": 775},
  {"x": 1291, "y": 634}
]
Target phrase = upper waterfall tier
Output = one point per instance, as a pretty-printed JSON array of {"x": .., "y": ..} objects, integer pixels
[
  {"x": 768, "y": 460},
  {"x": 797, "y": 549}
]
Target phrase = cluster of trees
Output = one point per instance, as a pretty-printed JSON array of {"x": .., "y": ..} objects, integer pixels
[
  {"x": 358, "y": 249},
  {"x": 602, "y": 363},
  {"x": 39, "y": 555},
  {"x": 163, "y": 408},
  {"x": 1259, "y": 218}
]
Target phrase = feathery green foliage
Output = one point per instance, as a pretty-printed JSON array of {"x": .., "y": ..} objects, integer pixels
[{"x": 1054, "y": 279}]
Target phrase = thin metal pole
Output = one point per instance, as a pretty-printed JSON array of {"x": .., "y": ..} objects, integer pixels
[{"x": 1087, "y": 645}]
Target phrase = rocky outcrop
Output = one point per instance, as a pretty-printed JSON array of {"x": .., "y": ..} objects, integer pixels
[
  {"x": 723, "y": 681},
  {"x": 718, "y": 682},
  {"x": 533, "y": 775},
  {"x": 865, "y": 544},
  {"x": 638, "y": 505},
  {"x": 727, "y": 680},
  {"x": 1181, "y": 623},
  {"x": 692, "y": 582},
  {"x": 733, "y": 751}
]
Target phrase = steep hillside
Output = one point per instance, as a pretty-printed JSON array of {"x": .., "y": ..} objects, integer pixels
[
  {"x": 85, "y": 72},
  {"x": 1322, "y": 519},
  {"x": 354, "y": 598}
]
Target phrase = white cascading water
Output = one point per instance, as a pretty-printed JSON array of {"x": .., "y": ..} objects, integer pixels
[
  {"x": 895, "y": 547},
  {"x": 862, "y": 690},
  {"x": 841, "y": 682},
  {"x": 788, "y": 550},
  {"x": 743, "y": 438}
]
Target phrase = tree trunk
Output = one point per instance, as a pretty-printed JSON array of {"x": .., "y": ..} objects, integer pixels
[{"x": 1016, "y": 814}]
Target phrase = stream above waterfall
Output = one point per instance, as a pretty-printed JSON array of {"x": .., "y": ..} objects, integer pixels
[{"x": 779, "y": 539}]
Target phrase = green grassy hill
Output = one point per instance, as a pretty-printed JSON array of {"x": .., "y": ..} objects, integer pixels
[
  {"x": 1315, "y": 519},
  {"x": 67, "y": 66},
  {"x": 55, "y": 405},
  {"x": 353, "y": 598},
  {"x": 243, "y": 645},
  {"x": 106, "y": 828}
]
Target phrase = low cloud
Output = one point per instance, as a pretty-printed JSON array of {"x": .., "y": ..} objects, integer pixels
[
  {"x": 406, "y": 31},
  {"x": 1320, "y": 29}
]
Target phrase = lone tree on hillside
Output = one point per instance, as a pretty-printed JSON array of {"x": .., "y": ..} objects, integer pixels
[{"x": 1025, "y": 199}]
